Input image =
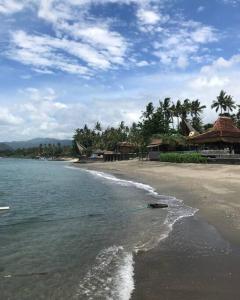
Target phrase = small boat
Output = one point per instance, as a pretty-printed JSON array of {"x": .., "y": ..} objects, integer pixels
[
  {"x": 157, "y": 205},
  {"x": 2, "y": 208}
]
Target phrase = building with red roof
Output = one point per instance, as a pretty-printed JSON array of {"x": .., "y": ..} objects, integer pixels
[{"x": 223, "y": 134}]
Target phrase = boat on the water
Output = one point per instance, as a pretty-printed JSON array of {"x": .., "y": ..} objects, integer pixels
[{"x": 3, "y": 208}]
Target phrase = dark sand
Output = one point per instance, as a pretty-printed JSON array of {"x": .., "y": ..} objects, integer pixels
[
  {"x": 201, "y": 257},
  {"x": 193, "y": 263}
]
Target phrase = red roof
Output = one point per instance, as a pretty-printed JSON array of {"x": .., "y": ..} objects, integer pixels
[
  {"x": 225, "y": 124},
  {"x": 223, "y": 130}
]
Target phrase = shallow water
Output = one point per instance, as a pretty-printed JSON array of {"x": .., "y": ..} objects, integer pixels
[{"x": 71, "y": 233}]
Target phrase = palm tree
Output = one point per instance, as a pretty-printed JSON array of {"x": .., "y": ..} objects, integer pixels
[
  {"x": 230, "y": 104},
  {"x": 221, "y": 102},
  {"x": 172, "y": 111},
  {"x": 184, "y": 110},
  {"x": 167, "y": 113},
  {"x": 196, "y": 108},
  {"x": 149, "y": 111},
  {"x": 98, "y": 127}
]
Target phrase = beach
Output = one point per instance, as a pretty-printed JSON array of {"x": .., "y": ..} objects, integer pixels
[{"x": 200, "y": 257}]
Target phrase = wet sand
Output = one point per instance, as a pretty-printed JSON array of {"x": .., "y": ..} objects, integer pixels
[
  {"x": 193, "y": 263},
  {"x": 201, "y": 257}
]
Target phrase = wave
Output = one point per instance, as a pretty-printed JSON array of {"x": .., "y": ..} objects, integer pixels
[
  {"x": 176, "y": 210},
  {"x": 111, "y": 277},
  {"x": 123, "y": 281}
]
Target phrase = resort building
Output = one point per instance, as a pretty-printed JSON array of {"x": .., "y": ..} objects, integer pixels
[
  {"x": 124, "y": 151},
  {"x": 165, "y": 144},
  {"x": 125, "y": 148},
  {"x": 154, "y": 149},
  {"x": 223, "y": 135}
]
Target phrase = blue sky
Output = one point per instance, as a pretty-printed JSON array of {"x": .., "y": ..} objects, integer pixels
[{"x": 66, "y": 63}]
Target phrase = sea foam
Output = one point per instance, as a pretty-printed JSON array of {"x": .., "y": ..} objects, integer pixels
[
  {"x": 111, "y": 277},
  {"x": 123, "y": 280}
]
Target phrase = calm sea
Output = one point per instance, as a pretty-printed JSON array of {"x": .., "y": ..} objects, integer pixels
[{"x": 71, "y": 233}]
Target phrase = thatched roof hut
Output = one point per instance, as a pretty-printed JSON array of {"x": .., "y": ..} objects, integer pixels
[
  {"x": 223, "y": 132},
  {"x": 98, "y": 152},
  {"x": 165, "y": 143},
  {"x": 155, "y": 144},
  {"x": 125, "y": 147}
]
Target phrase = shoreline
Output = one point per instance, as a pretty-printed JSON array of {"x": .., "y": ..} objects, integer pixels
[{"x": 213, "y": 190}]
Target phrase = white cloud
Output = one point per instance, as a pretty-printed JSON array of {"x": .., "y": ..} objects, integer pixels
[
  {"x": 222, "y": 64},
  {"x": 209, "y": 81},
  {"x": 7, "y": 118},
  {"x": 47, "y": 53},
  {"x": 110, "y": 43},
  {"x": 204, "y": 34},
  {"x": 83, "y": 44},
  {"x": 142, "y": 63},
  {"x": 46, "y": 10},
  {"x": 42, "y": 114},
  {"x": 178, "y": 46},
  {"x": 182, "y": 62},
  {"x": 10, "y": 6},
  {"x": 220, "y": 74},
  {"x": 148, "y": 17}
]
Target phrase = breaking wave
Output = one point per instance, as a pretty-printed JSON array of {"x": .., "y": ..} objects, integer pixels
[{"x": 115, "y": 264}]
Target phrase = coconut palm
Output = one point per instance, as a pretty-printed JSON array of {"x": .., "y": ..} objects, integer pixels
[
  {"x": 220, "y": 103},
  {"x": 230, "y": 104},
  {"x": 166, "y": 112},
  {"x": 196, "y": 108},
  {"x": 98, "y": 127},
  {"x": 149, "y": 111},
  {"x": 184, "y": 110}
]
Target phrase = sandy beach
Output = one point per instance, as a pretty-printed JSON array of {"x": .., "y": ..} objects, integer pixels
[{"x": 200, "y": 258}]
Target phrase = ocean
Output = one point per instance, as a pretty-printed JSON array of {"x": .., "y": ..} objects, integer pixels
[{"x": 72, "y": 233}]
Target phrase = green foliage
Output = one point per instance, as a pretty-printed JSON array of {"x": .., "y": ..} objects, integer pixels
[
  {"x": 224, "y": 103},
  {"x": 175, "y": 157},
  {"x": 173, "y": 139},
  {"x": 207, "y": 126},
  {"x": 166, "y": 121},
  {"x": 106, "y": 139}
]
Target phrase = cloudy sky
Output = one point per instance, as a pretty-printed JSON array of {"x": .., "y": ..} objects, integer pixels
[{"x": 66, "y": 63}]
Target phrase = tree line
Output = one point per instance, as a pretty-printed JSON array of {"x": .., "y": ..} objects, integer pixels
[
  {"x": 43, "y": 150},
  {"x": 166, "y": 119}
]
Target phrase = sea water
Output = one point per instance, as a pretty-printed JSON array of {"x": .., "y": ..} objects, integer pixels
[{"x": 72, "y": 233}]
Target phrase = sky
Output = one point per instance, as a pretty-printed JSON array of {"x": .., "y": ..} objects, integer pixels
[{"x": 67, "y": 63}]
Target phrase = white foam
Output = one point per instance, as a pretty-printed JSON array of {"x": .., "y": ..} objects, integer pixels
[
  {"x": 125, "y": 274},
  {"x": 124, "y": 182},
  {"x": 125, "y": 277},
  {"x": 111, "y": 278},
  {"x": 177, "y": 209}
]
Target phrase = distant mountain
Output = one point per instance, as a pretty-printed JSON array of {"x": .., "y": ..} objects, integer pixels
[
  {"x": 36, "y": 142},
  {"x": 4, "y": 147}
]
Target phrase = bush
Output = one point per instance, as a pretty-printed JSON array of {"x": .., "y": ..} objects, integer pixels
[{"x": 182, "y": 157}]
